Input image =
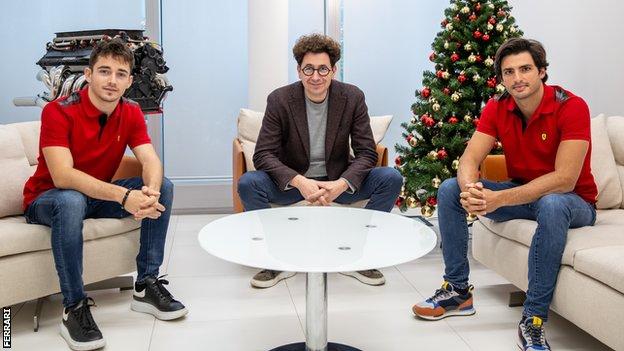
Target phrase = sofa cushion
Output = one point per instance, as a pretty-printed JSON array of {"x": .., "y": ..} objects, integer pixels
[
  {"x": 603, "y": 166},
  {"x": 249, "y": 123},
  {"x": 17, "y": 236},
  {"x": 606, "y": 232},
  {"x": 605, "y": 264},
  {"x": 15, "y": 171},
  {"x": 29, "y": 132},
  {"x": 615, "y": 128}
]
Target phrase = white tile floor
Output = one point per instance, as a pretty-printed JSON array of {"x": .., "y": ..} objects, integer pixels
[{"x": 226, "y": 314}]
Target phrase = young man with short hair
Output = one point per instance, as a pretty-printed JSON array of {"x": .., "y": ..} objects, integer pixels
[
  {"x": 83, "y": 139},
  {"x": 545, "y": 132}
]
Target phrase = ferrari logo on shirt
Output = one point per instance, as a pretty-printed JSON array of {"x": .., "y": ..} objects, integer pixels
[{"x": 544, "y": 136}]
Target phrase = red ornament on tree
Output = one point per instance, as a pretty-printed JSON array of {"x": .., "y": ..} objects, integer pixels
[
  {"x": 477, "y": 34},
  {"x": 462, "y": 78},
  {"x": 478, "y": 58},
  {"x": 398, "y": 161},
  {"x": 456, "y": 18},
  {"x": 399, "y": 202},
  {"x": 501, "y": 13},
  {"x": 453, "y": 120},
  {"x": 478, "y": 6},
  {"x": 492, "y": 20},
  {"x": 485, "y": 37},
  {"x": 444, "y": 23},
  {"x": 454, "y": 57},
  {"x": 446, "y": 91},
  {"x": 440, "y": 74},
  {"x": 491, "y": 82},
  {"x": 429, "y": 122},
  {"x": 432, "y": 56},
  {"x": 432, "y": 201},
  {"x": 409, "y": 137},
  {"x": 425, "y": 92},
  {"x": 442, "y": 154},
  {"x": 472, "y": 17}
]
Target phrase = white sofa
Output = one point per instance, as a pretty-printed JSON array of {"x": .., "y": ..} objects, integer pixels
[
  {"x": 590, "y": 286},
  {"x": 26, "y": 263}
]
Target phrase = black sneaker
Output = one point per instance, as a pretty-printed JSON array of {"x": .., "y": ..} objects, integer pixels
[
  {"x": 152, "y": 297},
  {"x": 531, "y": 335},
  {"x": 79, "y": 329}
]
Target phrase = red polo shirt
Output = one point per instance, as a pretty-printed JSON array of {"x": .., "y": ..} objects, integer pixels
[
  {"x": 530, "y": 150},
  {"x": 74, "y": 122}
]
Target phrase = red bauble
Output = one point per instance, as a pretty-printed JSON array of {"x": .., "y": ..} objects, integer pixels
[
  {"x": 462, "y": 78},
  {"x": 429, "y": 122},
  {"x": 432, "y": 201},
  {"x": 440, "y": 74},
  {"x": 399, "y": 202},
  {"x": 444, "y": 23},
  {"x": 491, "y": 82},
  {"x": 475, "y": 122},
  {"x": 454, "y": 57},
  {"x": 478, "y": 6},
  {"x": 446, "y": 91},
  {"x": 501, "y": 13},
  {"x": 478, "y": 58},
  {"x": 398, "y": 161},
  {"x": 425, "y": 92},
  {"x": 432, "y": 56},
  {"x": 485, "y": 37},
  {"x": 442, "y": 154},
  {"x": 409, "y": 137},
  {"x": 472, "y": 17},
  {"x": 477, "y": 34},
  {"x": 492, "y": 20},
  {"x": 456, "y": 18},
  {"x": 453, "y": 120}
]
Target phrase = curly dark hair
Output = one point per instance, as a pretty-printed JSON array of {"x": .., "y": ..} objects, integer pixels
[
  {"x": 518, "y": 45},
  {"x": 316, "y": 43},
  {"x": 115, "y": 48}
]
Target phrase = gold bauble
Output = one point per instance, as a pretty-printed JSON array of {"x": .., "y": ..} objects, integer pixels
[
  {"x": 472, "y": 58},
  {"x": 488, "y": 62},
  {"x": 426, "y": 211},
  {"x": 467, "y": 118},
  {"x": 432, "y": 155},
  {"x": 411, "y": 202},
  {"x": 435, "y": 182},
  {"x": 413, "y": 142},
  {"x": 436, "y": 107},
  {"x": 455, "y": 164},
  {"x": 465, "y": 9},
  {"x": 489, "y": 26},
  {"x": 500, "y": 88},
  {"x": 455, "y": 97},
  {"x": 499, "y": 27}
]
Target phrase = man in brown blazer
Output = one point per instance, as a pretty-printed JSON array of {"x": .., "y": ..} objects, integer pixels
[{"x": 303, "y": 150}]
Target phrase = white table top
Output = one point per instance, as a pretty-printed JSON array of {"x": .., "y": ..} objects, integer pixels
[{"x": 317, "y": 239}]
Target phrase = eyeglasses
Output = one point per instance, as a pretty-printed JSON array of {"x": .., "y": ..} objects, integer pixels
[{"x": 322, "y": 71}]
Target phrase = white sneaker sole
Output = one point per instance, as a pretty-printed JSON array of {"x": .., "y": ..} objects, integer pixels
[
  {"x": 469, "y": 312},
  {"x": 364, "y": 279},
  {"x": 145, "y": 307},
  {"x": 269, "y": 283},
  {"x": 80, "y": 346}
]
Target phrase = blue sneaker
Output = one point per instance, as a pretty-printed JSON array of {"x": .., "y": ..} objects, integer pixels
[
  {"x": 446, "y": 302},
  {"x": 531, "y": 335}
]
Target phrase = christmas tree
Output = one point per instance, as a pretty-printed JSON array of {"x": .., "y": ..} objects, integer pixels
[{"x": 451, "y": 98}]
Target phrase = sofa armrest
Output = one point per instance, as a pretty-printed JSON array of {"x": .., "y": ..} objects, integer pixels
[
  {"x": 382, "y": 156},
  {"x": 494, "y": 168},
  {"x": 128, "y": 168},
  {"x": 238, "y": 168}
]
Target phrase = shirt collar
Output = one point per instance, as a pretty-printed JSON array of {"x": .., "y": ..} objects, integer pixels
[
  {"x": 547, "y": 105},
  {"x": 90, "y": 109}
]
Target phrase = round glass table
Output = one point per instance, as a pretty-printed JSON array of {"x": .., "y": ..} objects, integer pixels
[{"x": 316, "y": 241}]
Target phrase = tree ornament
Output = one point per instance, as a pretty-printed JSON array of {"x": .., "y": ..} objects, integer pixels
[
  {"x": 413, "y": 120},
  {"x": 488, "y": 61},
  {"x": 455, "y": 97},
  {"x": 432, "y": 155},
  {"x": 453, "y": 7},
  {"x": 442, "y": 154},
  {"x": 500, "y": 88},
  {"x": 477, "y": 34},
  {"x": 492, "y": 20},
  {"x": 432, "y": 201},
  {"x": 485, "y": 37},
  {"x": 413, "y": 142},
  {"x": 472, "y": 17},
  {"x": 446, "y": 45},
  {"x": 489, "y": 27},
  {"x": 440, "y": 124},
  {"x": 472, "y": 58},
  {"x": 420, "y": 193},
  {"x": 499, "y": 27},
  {"x": 440, "y": 73},
  {"x": 398, "y": 160},
  {"x": 490, "y": 5},
  {"x": 411, "y": 202},
  {"x": 513, "y": 30},
  {"x": 467, "y": 118},
  {"x": 468, "y": 47},
  {"x": 465, "y": 10},
  {"x": 444, "y": 23},
  {"x": 435, "y": 182},
  {"x": 461, "y": 78},
  {"x": 446, "y": 75},
  {"x": 432, "y": 57},
  {"x": 455, "y": 164},
  {"x": 476, "y": 77},
  {"x": 453, "y": 120},
  {"x": 478, "y": 58},
  {"x": 399, "y": 201},
  {"x": 449, "y": 26},
  {"x": 426, "y": 211},
  {"x": 425, "y": 92},
  {"x": 501, "y": 13},
  {"x": 436, "y": 107},
  {"x": 446, "y": 91},
  {"x": 491, "y": 82},
  {"x": 478, "y": 7},
  {"x": 454, "y": 57}
]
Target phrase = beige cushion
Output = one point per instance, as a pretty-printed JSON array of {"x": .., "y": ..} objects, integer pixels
[
  {"x": 249, "y": 123},
  {"x": 606, "y": 232},
  {"x": 29, "y": 132},
  {"x": 15, "y": 171},
  {"x": 603, "y": 166},
  {"x": 17, "y": 236},
  {"x": 605, "y": 264},
  {"x": 615, "y": 128}
]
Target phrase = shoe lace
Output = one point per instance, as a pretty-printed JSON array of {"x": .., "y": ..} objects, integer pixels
[
  {"x": 162, "y": 292},
  {"x": 441, "y": 294},
  {"x": 84, "y": 317},
  {"x": 536, "y": 334}
]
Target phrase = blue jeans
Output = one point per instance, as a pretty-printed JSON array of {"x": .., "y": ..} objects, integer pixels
[
  {"x": 554, "y": 213},
  {"x": 382, "y": 186},
  {"x": 64, "y": 210}
]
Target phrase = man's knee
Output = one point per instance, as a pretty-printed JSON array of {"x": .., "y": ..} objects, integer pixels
[
  {"x": 70, "y": 201},
  {"x": 449, "y": 190},
  {"x": 166, "y": 187},
  {"x": 391, "y": 177},
  {"x": 250, "y": 181},
  {"x": 552, "y": 205}
]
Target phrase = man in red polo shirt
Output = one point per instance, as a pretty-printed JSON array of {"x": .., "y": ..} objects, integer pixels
[
  {"x": 83, "y": 139},
  {"x": 545, "y": 132}
]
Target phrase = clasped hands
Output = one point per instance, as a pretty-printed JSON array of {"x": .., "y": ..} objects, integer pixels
[
  {"x": 144, "y": 203},
  {"x": 477, "y": 200},
  {"x": 319, "y": 193}
]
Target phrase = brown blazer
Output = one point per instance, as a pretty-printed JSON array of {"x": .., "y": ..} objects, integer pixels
[{"x": 283, "y": 148}]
